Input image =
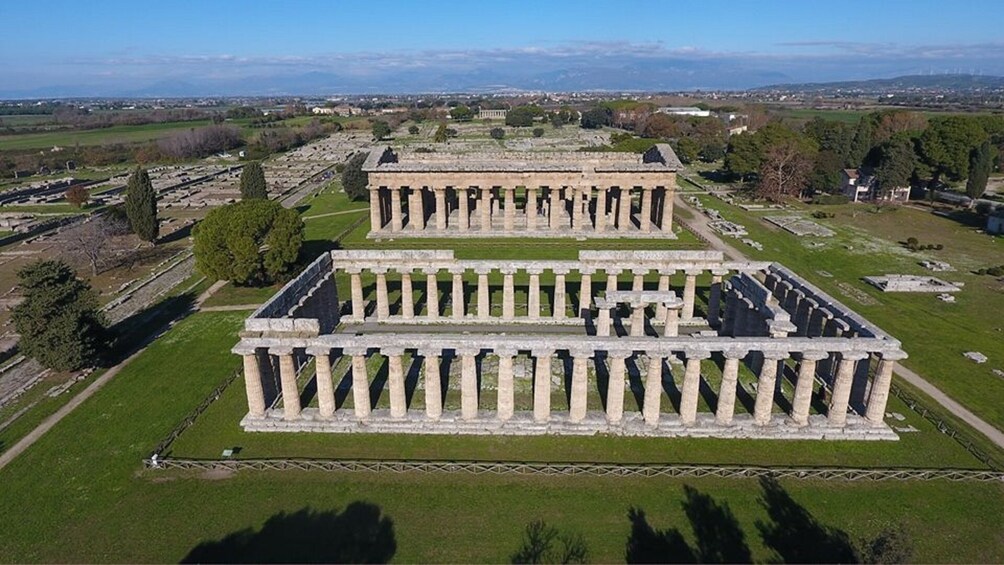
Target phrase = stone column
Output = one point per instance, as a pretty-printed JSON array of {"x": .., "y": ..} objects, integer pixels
[
  {"x": 533, "y": 294},
  {"x": 638, "y": 281},
  {"x": 325, "y": 388},
  {"x": 508, "y": 295},
  {"x": 433, "y": 385},
  {"x": 531, "y": 208},
  {"x": 615, "y": 386},
  {"x": 601, "y": 210},
  {"x": 667, "y": 210},
  {"x": 585, "y": 291},
  {"x": 468, "y": 383},
  {"x": 671, "y": 327},
  {"x": 419, "y": 208},
  {"x": 484, "y": 300},
  {"x": 383, "y": 305},
  {"x": 646, "y": 209},
  {"x": 727, "y": 390},
  {"x": 689, "y": 288},
  {"x": 559, "y": 295},
  {"x": 510, "y": 208},
  {"x": 766, "y": 383},
  {"x": 612, "y": 279},
  {"x": 376, "y": 222},
  {"x": 441, "y": 212},
  {"x": 407, "y": 296},
  {"x": 580, "y": 384},
  {"x": 457, "y": 294},
  {"x": 360, "y": 382},
  {"x": 506, "y": 398},
  {"x": 638, "y": 319},
  {"x": 881, "y": 382},
  {"x": 653, "y": 390},
  {"x": 715, "y": 298},
  {"x": 542, "y": 385},
  {"x": 603, "y": 321},
  {"x": 553, "y": 204},
  {"x": 691, "y": 386},
  {"x": 432, "y": 293},
  {"x": 287, "y": 377},
  {"x": 577, "y": 193},
  {"x": 624, "y": 209},
  {"x": 729, "y": 318},
  {"x": 358, "y": 305},
  {"x": 660, "y": 308},
  {"x": 395, "y": 381},
  {"x": 837, "y": 412},
  {"x": 252, "y": 382},
  {"x": 485, "y": 204},
  {"x": 396, "y": 224},
  {"x": 464, "y": 201},
  {"x": 803, "y": 388}
]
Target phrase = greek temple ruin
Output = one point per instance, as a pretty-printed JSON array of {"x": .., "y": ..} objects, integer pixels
[
  {"x": 509, "y": 194},
  {"x": 642, "y": 343}
]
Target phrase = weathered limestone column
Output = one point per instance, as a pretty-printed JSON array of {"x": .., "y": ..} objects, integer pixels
[
  {"x": 691, "y": 386},
  {"x": 395, "y": 381},
  {"x": 638, "y": 280},
  {"x": 559, "y": 294},
  {"x": 457, "y": 293},
  {"x": 441, "y": 212},
  {"x": 376, "y": 222},
  {"x": 508, "y": 294},
  {"x": 468, "y": 383},
  {"x": 806, "y": 308},
  {"x": 615, "y": 386},
  {"x": 689, "y": 288},
  {"x": 624, "y": 209},
  {"x": 407, "y": 296},
  {"x": 433, "y": 385},
  {"x": 837, "y": 412},
  {"x": 653, "y": 390},
  {"x": 419, "y": 208},
  {"x": 715, "y": 298},
  {"x": 664, "y": 274},
  {"x": 671, "y": 322},
  {"x": 358, "y": 306},
  {"x": 506, "y": 393},
  {"x": 383, "y": 305},
  {"x": 484, "y": 300},
  {"x": 603, "y": 321},
  {"x": 553, "y": 204},
  {"x": 396, "y": 223},
  {"x": 646, "y": 209},
  {"x": 510, "y": 208},
  {"x": 638, "y": 320},
  {"x": 577, "y": 194},
  {"x": 531, "y": 208},
  {"x": 667, "y": 210},
  {"x": 766, "y": 383},
  {"x": 879, "y": 396},
  {"x": 580, "y": 380},
  {"x": 325, "y": 388},
  {"x": 432, "y": 293},
  {"x": 252, "y": 381},
  {"x": 542, "y": 385},
  {"x": 287, "y": 378},
  {"x": 802, "y": 401},
  {"x": 464, "y": 202},
  {"x": 612, "y": 278},
  {"x": 585, "y": 291},
  {"x": 360, "y": 381},
  {"x": 727, "y": 391},
  {"x": 485, "y": 204},
  {"x": 601, "y": 210},
  {"x": 533, "y": 293}
]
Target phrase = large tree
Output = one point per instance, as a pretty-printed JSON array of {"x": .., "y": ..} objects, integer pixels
[
  {"x": 253, "y": 182},
  {"x": 784, "y": 171},
  {"x": 59, "y": 320},
  {"x": 462, "y": 113},
  {"x": 141, "y": 206},
  {"x": 981, "y": 164},
  {"x": 254, "y": 242},
  {"x": 354, "y": 178},
  {"x": 95, "y": 241},
  {"x": 861, "y": 143},
  {"x": 596, "y": 118},
  {"x": 743, "y": 156},
  {"x": 946, "y": 145},
  {"x": 381, "y": 129},
  {"x": 896, "y": 163}
]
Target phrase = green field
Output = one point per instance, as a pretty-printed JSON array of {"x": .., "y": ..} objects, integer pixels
[{"x": 101, "y": 136}]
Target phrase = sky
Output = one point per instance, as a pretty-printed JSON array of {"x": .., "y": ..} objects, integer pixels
[{"x": 119, "y": 47}]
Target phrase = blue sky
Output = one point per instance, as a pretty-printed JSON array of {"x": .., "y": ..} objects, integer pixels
[{"x": 118, "y": 46}]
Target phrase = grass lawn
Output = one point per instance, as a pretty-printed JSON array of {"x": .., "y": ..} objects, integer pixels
[
  {"x": 846, "y": 116},
  {"x": 98, "y": 136},
  {"x": 231, "y": 295}
]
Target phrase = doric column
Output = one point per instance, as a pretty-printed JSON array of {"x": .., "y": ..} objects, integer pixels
[
  {"x": 559, "y": 295},
  {"x": 691, "y": 386},
  {"x": 671, "y": 322},
  {"x": 646, "y": 209},
  {"x": 252, "y": 381},
  {"x": 664, "y": 274},
  {"x": 879, "y": 396},
  {"x": 837, "y": 412},
  {"x": 418, "y": 197},
  {"x": 638, "y": 280},
  {"x": 407, "y": 296},
  {"x": 510, "y": 208},
  {"x": 468, "y": 383},
  {"x": 542, "y": 385},
  {"x": 715, "y": 298},
  {"x": 457, "y": 294},
  {"x": 553, "y": 204},
  {"x": 577, "y": 402},
  {"x": 325, "y": 389},
  {"x": 729, "y": 317},
  {"x": 531, "y": 208},
  {"x": 689, "y": 288},
  {"x": 653, "y": 390},
  {"x": 624, "y": 209},
  {"x": 396, "y": 223},
  {"x": 533, "y": 293},
  {"x": 464, "y": 201},
  {"x": 766, "y": 382},
  {"x": 603, "y": 320},
  {"x": 395, "y": 381},
  {"x": 485, "y": 204},
  {"x": 376, "y": 223},
  {"x": 383, "y": 305},
  {"x": 431, "y": 293},
  {"x": 360, "y": 381},
  {"x": 638, "y": 320},
  {"x": 615, "y": 386},
  {"x": 441, "y": 212},
  {"x": 802, "y": 401},
  {"x": 506, "y": 398},
  {"x": 577, "y": 193},
  {"x": 484, "y": 300},
  {"x": 601, "y": 209},
  {"x": 585, "y": 291},
  {"x": 358, "y": 305},
  {"x": 667, "y": 210},
  {"x": 287, "y": 378},
  {"x": 508, "y": 294},
  {"x": 727, "y": 390},
  {"x": 433, "y": 385}
]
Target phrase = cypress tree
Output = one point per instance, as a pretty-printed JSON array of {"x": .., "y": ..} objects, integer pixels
[
  {"x": 253, "y": 182},
  {"x": 981, "y": 164},
  {"x": 141, "y": 206}
]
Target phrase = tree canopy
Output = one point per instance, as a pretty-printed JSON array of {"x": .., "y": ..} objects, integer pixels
[
  {"x": 981, "y": 164},
  {"x": 354, "y": 178},
  {"x": 253, "y": 242},
  {"x": 462, "y": 113},
  {"x": 947, "y": 142},
  {"x": 596, "y": 118},
  {"x": 522, "y": 116},
  {"x": 380, "y": 129},
  {"x": 141, "y": 206},
  {"x": 253, "y": 182},
  {"x": 896, "y": 164}
]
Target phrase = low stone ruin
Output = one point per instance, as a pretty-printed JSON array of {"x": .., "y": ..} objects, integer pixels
[
  {"x": 911, "y": 283},
  {"x": 799, "y": 226}
]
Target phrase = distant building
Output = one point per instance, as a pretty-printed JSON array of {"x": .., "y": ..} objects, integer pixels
[
  {"x": 323, "y": 111},
  {"x": 995, "y": 222},
  {"x": 859, "y": 186},
  {"x": 484, "y": 114},
  {"x": 684, "y": 111}
]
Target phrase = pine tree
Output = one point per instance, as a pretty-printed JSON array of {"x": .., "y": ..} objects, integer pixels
[
  {"x": 981, "y": 164},
  {"x": 253, "y": 182},
  {"x": 59, "y": 320},
  {"x": 141, "y": 206}
]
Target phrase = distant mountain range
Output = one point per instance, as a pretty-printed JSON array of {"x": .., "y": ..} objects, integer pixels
[{"x": 947, "y": 82}]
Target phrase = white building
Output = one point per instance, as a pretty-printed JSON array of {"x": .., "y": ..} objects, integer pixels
[{"x": 684, "y": 111}]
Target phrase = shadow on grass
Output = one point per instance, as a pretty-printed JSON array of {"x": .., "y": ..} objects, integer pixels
[
  {"x": 359, "y": 534},
  {"x": 795, "y": 535},
  {"x": 141, "y": 328}
]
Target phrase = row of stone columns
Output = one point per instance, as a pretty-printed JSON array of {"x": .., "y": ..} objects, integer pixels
[
  {"x": 543, "y": 210},
  {"x": 616, "y": 360}
]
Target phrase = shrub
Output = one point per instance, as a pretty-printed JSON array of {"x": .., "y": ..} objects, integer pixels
[
  {"x": 354, "y": 178},
  {"x": 538, "y": 132},
  {"x": 413, "y": 130},
  {"x": 497, "y": 133}
]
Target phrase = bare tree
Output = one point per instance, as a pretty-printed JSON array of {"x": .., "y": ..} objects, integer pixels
[
  {"x": 784, "y": 171},
  {"x": 95, "y": 241}
]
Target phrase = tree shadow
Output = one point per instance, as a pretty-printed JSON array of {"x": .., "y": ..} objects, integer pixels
[
  {"x": 359, "y": 534},
  {"x": 648, "y": 545},
  {"x": 795, "y": 535}
]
